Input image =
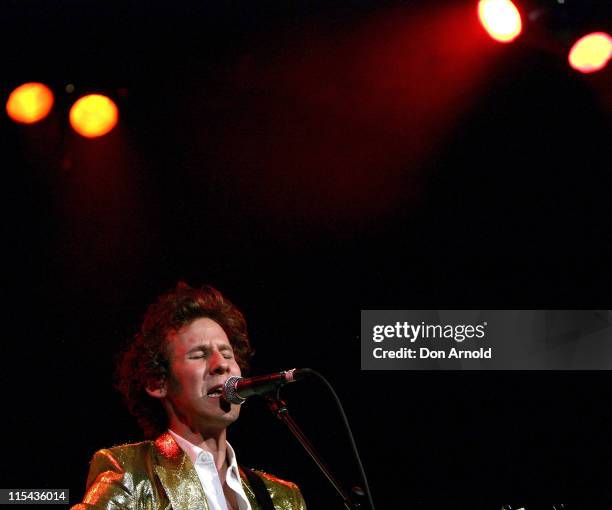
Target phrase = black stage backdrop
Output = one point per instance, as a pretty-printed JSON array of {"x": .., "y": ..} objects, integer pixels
[{"x": 309, "y": 159}]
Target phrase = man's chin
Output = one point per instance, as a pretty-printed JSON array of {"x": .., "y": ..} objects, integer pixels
[
  {"x": 232, "y": 413},
  {"x": 226, "y": 407},
  {"x": 228, "y": 412},
  {"x": 213, "y": 423},
  {"x": 221, "y": 412}
]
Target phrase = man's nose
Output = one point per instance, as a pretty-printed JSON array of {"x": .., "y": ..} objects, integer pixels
[{"x": 218, "y": 363}]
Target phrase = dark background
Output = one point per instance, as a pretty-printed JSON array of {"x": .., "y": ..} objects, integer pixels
[{"x": 310, "y": 159}]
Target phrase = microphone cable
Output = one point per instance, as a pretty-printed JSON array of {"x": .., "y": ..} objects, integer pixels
[{"x": 348, "y": 430}]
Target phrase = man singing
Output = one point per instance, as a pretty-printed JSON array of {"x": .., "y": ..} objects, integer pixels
[{"x": 171, "y": 377}]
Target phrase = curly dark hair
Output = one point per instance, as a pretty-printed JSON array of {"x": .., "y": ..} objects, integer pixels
[{"x": 146, "y": 359}]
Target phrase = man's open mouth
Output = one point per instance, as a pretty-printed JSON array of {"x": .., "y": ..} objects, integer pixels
[{"x": 215, "y": 392}]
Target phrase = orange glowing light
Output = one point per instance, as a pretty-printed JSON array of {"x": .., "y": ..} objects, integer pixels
[
  {"x": 501, "y": 19},
  {"x": 93, "y": 115},
  {"x": 591, "y": 52},
  {"x": 29, "y": 103}
]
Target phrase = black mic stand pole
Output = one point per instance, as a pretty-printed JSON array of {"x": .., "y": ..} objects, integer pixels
[{"x": 279, "y": 408}]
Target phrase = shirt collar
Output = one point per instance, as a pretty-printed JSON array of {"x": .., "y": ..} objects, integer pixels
[{"x": 197, "y": 454}]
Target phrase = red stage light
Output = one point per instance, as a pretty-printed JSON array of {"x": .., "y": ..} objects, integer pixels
[
  {"x": 591, "y": 52},
  {"x": 501, "y": 19},
  {"x": 93, "y": 115},
  {"x": 29, "y": 103}
]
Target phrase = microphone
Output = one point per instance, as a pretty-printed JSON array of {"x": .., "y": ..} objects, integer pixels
[{"x": 237, "y": 389}]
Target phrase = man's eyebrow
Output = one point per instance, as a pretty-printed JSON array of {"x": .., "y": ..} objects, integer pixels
[
  {"x": 200, "y": 347},
  {"x": 206, "y": 348}
]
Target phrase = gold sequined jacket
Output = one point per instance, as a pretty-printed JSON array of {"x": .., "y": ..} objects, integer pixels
[{"x": 158, "y": 475}]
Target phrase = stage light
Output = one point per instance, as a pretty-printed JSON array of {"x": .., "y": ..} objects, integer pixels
[
  {"x": 501, "y": 19},
  {"x": 93, "y": 115},
  {"x": 591, "y": 52},
  {"x": 29, "y": 103}
]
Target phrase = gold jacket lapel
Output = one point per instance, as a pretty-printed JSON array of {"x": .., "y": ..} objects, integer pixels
[
  {"x": 178, "y": 476},
  {"x": 247, "y": 489}
]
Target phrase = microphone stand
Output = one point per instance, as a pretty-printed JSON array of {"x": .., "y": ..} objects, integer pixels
[{"x": 279, "y": 409}]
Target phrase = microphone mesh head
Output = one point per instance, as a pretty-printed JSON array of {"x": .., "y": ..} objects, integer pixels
[{"x": 230, "y": 392}]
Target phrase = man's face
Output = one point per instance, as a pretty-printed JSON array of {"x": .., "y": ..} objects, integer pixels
[{"x": 201, "y": 360}]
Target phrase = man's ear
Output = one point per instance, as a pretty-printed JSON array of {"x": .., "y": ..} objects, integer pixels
[{"x": 157, "y": 388}]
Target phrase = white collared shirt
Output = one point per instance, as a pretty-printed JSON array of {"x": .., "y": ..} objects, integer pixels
[{"x": 206, "y": 469}]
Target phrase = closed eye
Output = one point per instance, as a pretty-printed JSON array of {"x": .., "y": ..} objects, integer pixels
[
  {"x": 197, "y": 354},
  {"x": 227, "y": 352}
]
